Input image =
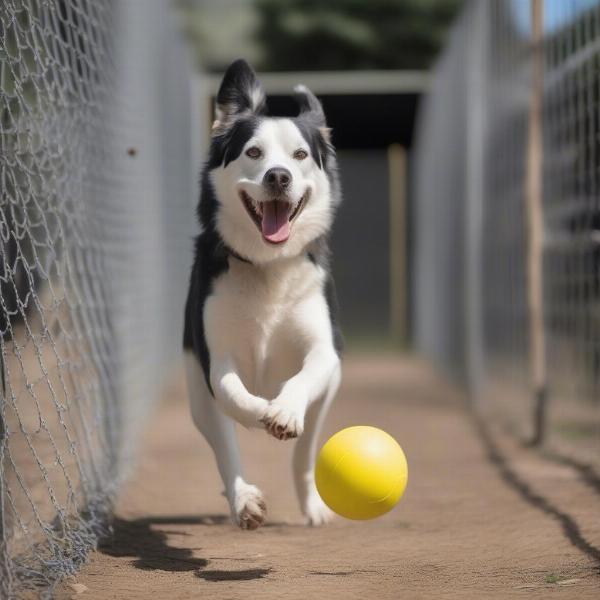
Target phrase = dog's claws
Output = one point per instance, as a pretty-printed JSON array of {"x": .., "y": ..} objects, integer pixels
[
  {"x": 251, "y": 508},
  {"x": 282, "y": 423}
]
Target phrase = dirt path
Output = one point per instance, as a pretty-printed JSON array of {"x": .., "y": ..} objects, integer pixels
[{"x": 467, "y": 527}]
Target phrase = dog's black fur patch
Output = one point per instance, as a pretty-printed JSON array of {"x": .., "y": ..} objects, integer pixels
[
  {"x": 212, "y": 255},
  {"x": 227, "y": 146},
  {"x": 235, "y": 93}
]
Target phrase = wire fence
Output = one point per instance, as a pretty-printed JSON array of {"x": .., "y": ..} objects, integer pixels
[
  {"x": 96, "y": 192},
  {"x": 508, "y": 218}
]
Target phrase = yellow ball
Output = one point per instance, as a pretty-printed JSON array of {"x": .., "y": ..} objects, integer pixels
[{"x": 361, "y": 472}]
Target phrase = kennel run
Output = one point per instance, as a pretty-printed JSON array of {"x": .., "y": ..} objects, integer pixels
[{"x": 98, "y": 181}]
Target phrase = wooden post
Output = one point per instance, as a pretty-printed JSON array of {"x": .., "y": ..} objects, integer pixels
[
  {"x": 535, "y": 226},
  {"x": 397, "y": 246}
]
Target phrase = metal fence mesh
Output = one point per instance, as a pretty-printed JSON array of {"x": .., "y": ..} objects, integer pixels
[
  {"x": 95, "y": 199},
  {"x": 474, "y": 268}
]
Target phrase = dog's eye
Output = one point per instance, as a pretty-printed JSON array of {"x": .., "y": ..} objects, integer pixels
[
  {"x": 254, "y": 152},
  {"x": 300, "y": 154}
]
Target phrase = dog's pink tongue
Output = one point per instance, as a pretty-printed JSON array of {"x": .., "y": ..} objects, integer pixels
[{"x": 275, "y": 223}]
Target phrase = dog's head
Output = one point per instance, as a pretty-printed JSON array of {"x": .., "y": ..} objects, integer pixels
[{"x": 274, "y": 178}]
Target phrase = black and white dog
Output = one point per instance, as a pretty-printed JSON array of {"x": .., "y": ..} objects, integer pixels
[{"x": 261, "y": 340}]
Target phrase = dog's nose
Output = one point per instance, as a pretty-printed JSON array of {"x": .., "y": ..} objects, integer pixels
[{"x": 277, "y": 179}]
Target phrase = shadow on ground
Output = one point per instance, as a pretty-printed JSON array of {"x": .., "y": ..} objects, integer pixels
[
  {"x": 139, "y": 539},
  {"x": 242, "y": 575},
  {"x": 149, "y": 547},
  {"x": 569, "y": 525}
]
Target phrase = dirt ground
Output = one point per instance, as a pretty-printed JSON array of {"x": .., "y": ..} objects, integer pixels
[{"x": 481, "y": 517}]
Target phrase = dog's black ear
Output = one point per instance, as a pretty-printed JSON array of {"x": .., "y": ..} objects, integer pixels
[
  {"x": 240, "y": 92},
  {"x": 311, "y": 108}
]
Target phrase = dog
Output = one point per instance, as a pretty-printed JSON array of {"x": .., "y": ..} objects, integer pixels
[{"x": 262, "y": 343}]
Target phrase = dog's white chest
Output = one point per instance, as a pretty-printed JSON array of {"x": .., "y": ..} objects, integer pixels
[{"x": 255, "y": 315}]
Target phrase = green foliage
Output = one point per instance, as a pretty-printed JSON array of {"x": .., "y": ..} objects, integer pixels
[{"x": 352, "y": 34}]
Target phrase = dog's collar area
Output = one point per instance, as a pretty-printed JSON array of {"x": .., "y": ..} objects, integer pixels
[{"x": 233, "y": 253}]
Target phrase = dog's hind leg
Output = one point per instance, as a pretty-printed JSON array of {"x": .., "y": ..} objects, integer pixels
[
  {"x": 246, "y": 501},
  {"x": 305, "y": 454}
]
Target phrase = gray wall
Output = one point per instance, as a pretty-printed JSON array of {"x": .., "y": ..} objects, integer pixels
[{"x": 360, "y": 243}]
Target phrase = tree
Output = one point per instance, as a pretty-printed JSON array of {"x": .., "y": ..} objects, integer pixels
[{"x": 351, "y": 34}]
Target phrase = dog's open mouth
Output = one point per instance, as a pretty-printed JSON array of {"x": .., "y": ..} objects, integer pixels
[{"x": 274, "y": 217}]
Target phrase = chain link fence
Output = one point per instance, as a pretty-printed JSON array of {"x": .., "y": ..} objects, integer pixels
[
  {"x": 96, "y": 196},
  {"x": 508, "y": 217}
]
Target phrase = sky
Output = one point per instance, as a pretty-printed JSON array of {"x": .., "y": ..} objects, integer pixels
[{"x": 556, "y": 12}]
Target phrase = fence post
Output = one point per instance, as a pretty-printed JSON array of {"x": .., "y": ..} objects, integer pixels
[
  {"x": 535, "y": 226},
  {"x": 2, "y": 448},
  {"x": 474, "y": 190},
  {"x": 397, "y": 246}
]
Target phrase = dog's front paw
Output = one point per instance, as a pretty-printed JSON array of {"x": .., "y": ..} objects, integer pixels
[
  {"x": 315, "y": 510},
  {"x": 250, "y": 507},
  {"x": 283, "y": 422}
]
